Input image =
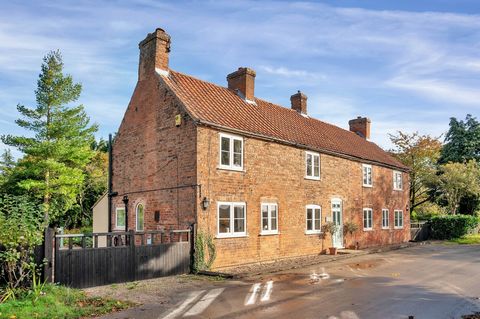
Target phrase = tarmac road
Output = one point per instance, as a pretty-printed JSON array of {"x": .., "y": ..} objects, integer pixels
[{"x": 429, "y": 281}]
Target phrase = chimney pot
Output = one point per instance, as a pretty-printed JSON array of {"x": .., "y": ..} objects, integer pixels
[
  {"x": 154, "y": 53},
  {"x": 242, "y": 81},
  {"x": 299, "y": 102},
  {"x": 360, "y": 126}
]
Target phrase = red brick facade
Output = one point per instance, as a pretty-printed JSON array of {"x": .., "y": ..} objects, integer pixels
[
  {"x": 154, "y": 161},
  {"x": 276, "y": 173},
  {"x": 170, "y": 166}
]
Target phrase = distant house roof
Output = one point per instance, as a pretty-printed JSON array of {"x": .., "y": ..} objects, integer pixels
[
  {"x": 99, "y": 200},
  {"x": 220, "y": 107}
]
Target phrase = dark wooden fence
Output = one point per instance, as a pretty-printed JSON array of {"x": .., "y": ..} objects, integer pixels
[
  {"x": 80, "y": 261},
  {"x": 420, "y": 231}
]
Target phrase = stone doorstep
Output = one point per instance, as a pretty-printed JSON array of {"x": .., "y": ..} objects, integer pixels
[{"x": 255, "y": 269}]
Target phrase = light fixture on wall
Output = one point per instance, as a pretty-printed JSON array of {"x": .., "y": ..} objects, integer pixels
[{"x": 205, "y": 203}]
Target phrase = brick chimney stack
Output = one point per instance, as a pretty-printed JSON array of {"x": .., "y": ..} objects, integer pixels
[
  {"x": 243, "y": 81},
  {"x": 299, "y": 102},
  {"x": 154, "y": 50},
  {"x": 361, "y": 126}
]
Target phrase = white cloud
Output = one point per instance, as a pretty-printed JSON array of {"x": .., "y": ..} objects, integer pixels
[
  {"x": 438, "y": 90},
  {"x": 290, "y": 73},
  {"x": 349, "y": 61}
]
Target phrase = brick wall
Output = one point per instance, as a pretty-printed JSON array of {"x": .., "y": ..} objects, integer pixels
[
  {"x": 158, "y": 164},
  {"x": 153, "y": 160},
  {"x": 275, "y": 173}
]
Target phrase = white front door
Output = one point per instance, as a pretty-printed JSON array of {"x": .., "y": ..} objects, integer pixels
[{"x": 337, "y": 216}]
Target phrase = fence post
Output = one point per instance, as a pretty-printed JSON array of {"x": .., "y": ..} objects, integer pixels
[
  {"x": 192, "y": 234},
  {"x": 49, "y": 237},
  {"x": 133, "y": 258}
]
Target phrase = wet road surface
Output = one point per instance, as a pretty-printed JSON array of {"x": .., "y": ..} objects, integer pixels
[{"x": 430, "y": 281}]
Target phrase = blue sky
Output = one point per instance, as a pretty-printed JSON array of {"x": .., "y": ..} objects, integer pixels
[{"x": 408, "y": 65}]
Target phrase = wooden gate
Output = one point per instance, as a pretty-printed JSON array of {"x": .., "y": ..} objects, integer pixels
[{"x": 86, "y": 260}]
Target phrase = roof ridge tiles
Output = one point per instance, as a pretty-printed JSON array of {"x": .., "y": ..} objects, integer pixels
[{"x": 215, "y": 104}]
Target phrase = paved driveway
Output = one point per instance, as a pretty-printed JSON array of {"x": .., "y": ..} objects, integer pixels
[{"x": 430, "y": 281}]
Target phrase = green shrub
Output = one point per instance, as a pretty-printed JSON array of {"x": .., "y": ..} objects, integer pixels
[
  {"x": 21, "y": 230},
  {"x": 205, "y": 252},
  {"x": 452, "y": 226},
  {"x": 427, "y": 211}
]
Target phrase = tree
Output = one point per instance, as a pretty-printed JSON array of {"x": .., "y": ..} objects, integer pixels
[
  {"x": 462, "y": 142},
  {"x": 420, "y": 153},
  {"x": 457, "y": 180},
  {"x": 7, "y": 164},
  {"x": 94, "y": 185},
  {"x": 56, "y": 156}
]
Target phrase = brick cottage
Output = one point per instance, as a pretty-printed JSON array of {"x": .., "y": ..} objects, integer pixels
[{"x": 261, "y": 178}]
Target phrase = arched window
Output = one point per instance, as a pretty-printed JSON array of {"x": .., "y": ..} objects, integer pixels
[{"x": 140, "y": 213}]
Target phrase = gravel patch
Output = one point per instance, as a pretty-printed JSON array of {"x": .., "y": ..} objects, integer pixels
[{"x": 159, "y": 290}]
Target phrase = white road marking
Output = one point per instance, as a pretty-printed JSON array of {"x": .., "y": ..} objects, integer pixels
[
  {"x": 316, "y": 277},
  {"x": 356, "y": 272},
  {"x": 267, "y": 291},
  {"x": 252, "y": 296},
  {"x": 348, "y": 315},
  {"x": 203, "y": 303},
  {"x": 191, "y": 297},
  {"x": 324, "y": 275}
]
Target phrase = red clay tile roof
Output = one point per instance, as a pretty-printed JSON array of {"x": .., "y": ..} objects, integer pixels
[{"x": 219, "y": 106}]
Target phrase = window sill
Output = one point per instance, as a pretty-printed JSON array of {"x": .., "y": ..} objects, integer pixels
[
  {"x": 385, "y": 228},
  {"x": 119, "y": 229},
  {"x": 368, "y": 229},
  {"x": 226, "y": 168},
  {"x": 366, "y": 185},
  {"x": 269, "y": 233},
  {"x": 398, "y": 189},
  {"x": 222, "y": 236},
  {"x": 398, "y": 227},
  {"x": 312, "y": 178},
  {"x": 313, "y": 232}
]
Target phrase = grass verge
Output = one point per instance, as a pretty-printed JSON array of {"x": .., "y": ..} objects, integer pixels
[
  {"x": 58, "y": 302},
  {"x": 467, "y": 240}
]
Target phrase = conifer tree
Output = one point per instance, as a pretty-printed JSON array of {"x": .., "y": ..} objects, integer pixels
[{"x": 58, "y": 150}]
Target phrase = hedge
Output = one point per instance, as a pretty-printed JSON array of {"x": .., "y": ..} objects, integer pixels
[{"x": 452, "y": 226}]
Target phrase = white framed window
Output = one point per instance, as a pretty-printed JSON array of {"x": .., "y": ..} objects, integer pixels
[
  {"x": 397, "y": 180},
  {"x": 398, "y": 219},
  {"x": 385, "y": 219},
  {"x": 312, "y": 165},
  {"x": 269, "y": 219},
  {"x": 232, "y": 219},
  {"x": 314, "y": 218},
  {"x": 120, "y": 218},
  {"x": 367, "y": 175},
  {"x": 231, "y": 152},
  {"x": 367, "y": 219},
  {"x": 139, "y": 217}
]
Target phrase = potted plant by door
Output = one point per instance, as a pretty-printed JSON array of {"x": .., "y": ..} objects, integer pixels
[
  {"x": 349, "y": 228},
  {"x": 330, "y": 228}
]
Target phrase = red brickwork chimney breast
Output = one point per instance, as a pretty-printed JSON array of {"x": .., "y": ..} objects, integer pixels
[
  {"x": 154, "y": 50},
  {"x": 361, "y": 126},
  {"x": 299, "y": 102},
  {"x": 243, "y": 80}
]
